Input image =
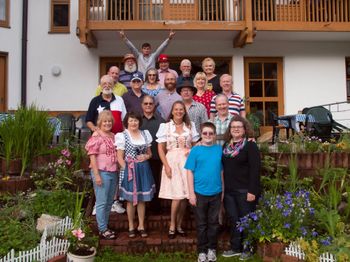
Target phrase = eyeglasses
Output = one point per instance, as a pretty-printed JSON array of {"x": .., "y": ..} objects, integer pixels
[
  {"x": 236, "y": 127},
  {"x": 207, "y": 133},
  {"x": 148, "y": 104},
  {"x": 136, "y": 80}
]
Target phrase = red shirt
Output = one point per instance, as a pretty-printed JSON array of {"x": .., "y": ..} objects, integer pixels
[{"x": 205, "y": 99}]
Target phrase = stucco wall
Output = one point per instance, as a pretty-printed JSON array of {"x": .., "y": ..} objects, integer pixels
[
  {"x": 10, "y": 42},
  {"x": 314, "y": 72}
]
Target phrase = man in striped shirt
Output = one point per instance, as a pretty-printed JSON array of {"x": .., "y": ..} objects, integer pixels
[{"x": 236, "y": 104}]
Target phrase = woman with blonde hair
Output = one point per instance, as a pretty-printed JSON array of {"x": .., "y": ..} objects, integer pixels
[
  {"x": 203, "y": 95},
  {"x": 103, "y": 164},
  {"x": 175, "y": 139},
  {"x": 208, "y": 66}
]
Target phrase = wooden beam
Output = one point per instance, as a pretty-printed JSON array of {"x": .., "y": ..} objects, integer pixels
[
  {"x": 82, "y": 22},
  {"x": 91, "y": 40},
  {"x": 240, "y": 39}
]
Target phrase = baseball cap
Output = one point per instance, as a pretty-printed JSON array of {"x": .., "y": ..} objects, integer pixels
[
  {"x": 138, "y": 76},
  {"x": 163, "y": 58}
]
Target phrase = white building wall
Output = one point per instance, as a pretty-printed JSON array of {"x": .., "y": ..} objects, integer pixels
[
  {"x": 314, "y": 72},
  {"x": 10, "y": 42},
  {"x": 74, "y": 87}
]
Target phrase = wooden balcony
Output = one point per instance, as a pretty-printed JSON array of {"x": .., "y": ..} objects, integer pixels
[{"x": 244, "y": 16}]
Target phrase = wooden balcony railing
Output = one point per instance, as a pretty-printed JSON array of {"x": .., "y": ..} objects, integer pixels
[
  {"x": 219, "y": 10},
  {"x": 301, "y": 10},
  {"x": 158, "y": 10},
  {"x": 246, "y": 16}
]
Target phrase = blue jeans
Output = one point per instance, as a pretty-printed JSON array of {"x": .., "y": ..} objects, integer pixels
[
  {"x": 237, "y": 206},
  {"x": 207, "y": 221},
  {"x": 104, "y": 197}
]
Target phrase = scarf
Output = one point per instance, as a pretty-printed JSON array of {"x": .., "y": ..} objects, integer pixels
[{"x": 231, "y": 150}]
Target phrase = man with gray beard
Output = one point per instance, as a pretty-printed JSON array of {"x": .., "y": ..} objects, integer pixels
[
  {"x": 130, "y": 68},
  {"x": 106, "y": 101}
]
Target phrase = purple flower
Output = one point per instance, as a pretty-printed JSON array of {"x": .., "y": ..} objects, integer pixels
[
  {"x": 287, "y": 225},
  {"x": 314, "y": 233},
  {"x": 254, "y": 216},
  {"x": 65, "y": 152},
  {"x": 326, "y": 242},
  {"x": 303, "y": 231}
]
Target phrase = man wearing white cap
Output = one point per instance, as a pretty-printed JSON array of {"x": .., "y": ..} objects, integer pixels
[
  {"x": 164, "y": 68},
  {"x": 133, "y": 98}
]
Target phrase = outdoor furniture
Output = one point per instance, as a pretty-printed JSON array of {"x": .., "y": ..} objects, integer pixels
[
  {"x": 67, "y": 126},
  {"x": 322, "y": 125},
  {"x": 81, "y": 128},
  {"x": 294, "y": 121},
  {"x": 276, "y": 127}
]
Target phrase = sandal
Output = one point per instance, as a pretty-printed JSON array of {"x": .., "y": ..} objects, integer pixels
[
  {"x": 181, "y": 232},
  {"x": 142, "y": 233},
  {"x": 108, "y": 234},
  {"x": 171, "y": 234},
  {"x": 132, "y": 233}
]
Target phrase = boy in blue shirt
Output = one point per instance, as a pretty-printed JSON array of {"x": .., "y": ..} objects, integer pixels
[{"x": 205, "y": 184}]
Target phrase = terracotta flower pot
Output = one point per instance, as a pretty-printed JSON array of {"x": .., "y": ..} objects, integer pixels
[{"x": 270, "y": 250}]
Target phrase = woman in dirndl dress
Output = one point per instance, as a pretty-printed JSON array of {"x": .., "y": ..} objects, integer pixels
[
  {"x": 175, "y": 139},
  {"x": 133, "y": 152}
]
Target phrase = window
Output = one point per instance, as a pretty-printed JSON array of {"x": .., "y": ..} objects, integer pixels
[
  {"x": 5, "y": 13},
  {"x": 347, "y": 68},
  {"x": 60, "y": 16}
]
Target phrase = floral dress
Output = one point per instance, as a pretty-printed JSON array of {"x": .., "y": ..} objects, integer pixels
[
  {"x": 138, "y": 183},
  {"x": 178, "y": 147}
]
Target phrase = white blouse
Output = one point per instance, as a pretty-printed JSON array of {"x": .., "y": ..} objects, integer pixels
[
  {"x": 162, "y": 132},
  {"x": 120, "y": 139}
]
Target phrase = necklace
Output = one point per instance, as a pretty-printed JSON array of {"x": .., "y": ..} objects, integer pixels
[{"x": 177, "y": 124}]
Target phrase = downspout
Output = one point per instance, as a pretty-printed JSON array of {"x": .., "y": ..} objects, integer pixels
[{"x": 24, "y": 53}]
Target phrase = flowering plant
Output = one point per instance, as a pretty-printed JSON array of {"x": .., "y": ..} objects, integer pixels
[
  {"x": 280, "y": 218},
  {"x": 80, "y": 237}
]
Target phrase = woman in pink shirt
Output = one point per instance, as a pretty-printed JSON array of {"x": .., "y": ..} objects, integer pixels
[{"x": 103, "y": 164}]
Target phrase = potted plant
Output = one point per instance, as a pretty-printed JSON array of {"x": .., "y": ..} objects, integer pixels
[
  {"x": 278, "y": 220},
  {"x": 82, "y": 242}
]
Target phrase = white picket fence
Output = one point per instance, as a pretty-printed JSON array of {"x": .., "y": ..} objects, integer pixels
[
  {"x": 47, "y": 249},
  {"x": 295, "y": 250}
]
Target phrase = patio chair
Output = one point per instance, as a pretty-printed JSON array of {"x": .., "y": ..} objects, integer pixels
[
  {"x": 322, "y": 125},
  {"x": 81, "y": 130},
  {"x": 67, "y": 126},
  {"x": 276, "y": 127}
]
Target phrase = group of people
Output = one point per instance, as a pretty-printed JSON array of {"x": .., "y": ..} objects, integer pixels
[{"x": 175, "y": 137}]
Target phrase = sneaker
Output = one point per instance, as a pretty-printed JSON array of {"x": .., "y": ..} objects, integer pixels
[
  {"x": 231, "y": 253},
  {"x": 117, "y": 207},
  {"x": 211, "y": 255},
  {"x": 94, "y": 210},
  {"x": 202, "y": 257},
  {"x": 245, "y": 256}
]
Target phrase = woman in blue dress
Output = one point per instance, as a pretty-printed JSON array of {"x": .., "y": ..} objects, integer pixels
[
  {"x": 152, "y": 86},
  {"x": 133, "y": 153}
]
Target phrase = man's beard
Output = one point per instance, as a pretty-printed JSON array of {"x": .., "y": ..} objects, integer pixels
[
  {"x": 170, "y": 87},
  {"x": 107, "y": 91},
  {"x": 130, "y": 69}
]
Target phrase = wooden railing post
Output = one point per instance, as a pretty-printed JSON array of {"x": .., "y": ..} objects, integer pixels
[
  {"x": 248, "y": 14},
  {"x": 82, "y": 21},
  {"x": 166, "y": 9}
]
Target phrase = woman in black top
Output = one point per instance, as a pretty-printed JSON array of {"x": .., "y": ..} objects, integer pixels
[{"x": 241, "y": 163}]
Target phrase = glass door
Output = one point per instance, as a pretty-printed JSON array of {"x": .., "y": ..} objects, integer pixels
[{"x": 264, "y": 89}]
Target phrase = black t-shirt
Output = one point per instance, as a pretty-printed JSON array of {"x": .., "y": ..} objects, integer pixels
[{"x": 215, "y": 82}]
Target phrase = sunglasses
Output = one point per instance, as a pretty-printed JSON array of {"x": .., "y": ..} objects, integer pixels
[
  {"x": 148, "y": 104},
  {"x": 208, "y": 133}
]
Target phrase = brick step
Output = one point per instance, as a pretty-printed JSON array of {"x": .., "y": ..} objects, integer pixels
[
  {"x": 158, "y": 241},
  {"x": 159, "y": 222}
]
